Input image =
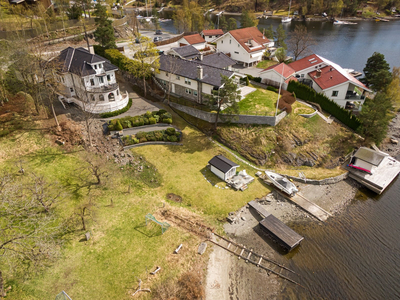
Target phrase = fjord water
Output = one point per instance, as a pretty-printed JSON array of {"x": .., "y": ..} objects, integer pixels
[{"x": 356, "y": 254}]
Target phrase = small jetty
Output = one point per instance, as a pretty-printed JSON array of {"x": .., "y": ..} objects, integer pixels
[
  {"x": 298, "y": 199},
  {"x": 276, "y": 229},
  {"x": 373, "y": 169}
]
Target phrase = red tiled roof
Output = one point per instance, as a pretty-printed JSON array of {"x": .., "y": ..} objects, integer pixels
[
  {"x": 243, "y": 35},
  {"x": 306, "y": 62},
  {"x": 286, "y": 69},
  {"x": 290, "y": 79},
  {"x": 194, "y": 39},
  {"x": 213, "y": 32},
  {"x": 329, "y": 77}
]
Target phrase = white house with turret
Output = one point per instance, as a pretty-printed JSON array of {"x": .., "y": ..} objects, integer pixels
[{"x": 88, "y": 80}]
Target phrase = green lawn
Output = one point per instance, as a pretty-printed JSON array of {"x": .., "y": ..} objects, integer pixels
[
  {"x": 259, "y": 102},
  {"x": 266, "y": 63}
]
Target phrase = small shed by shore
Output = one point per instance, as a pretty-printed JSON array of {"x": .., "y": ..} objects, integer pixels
[{"x": 223, "y": 167}]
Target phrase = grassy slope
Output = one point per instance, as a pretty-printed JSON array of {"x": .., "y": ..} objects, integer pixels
[{"x": 122, "y": 247}]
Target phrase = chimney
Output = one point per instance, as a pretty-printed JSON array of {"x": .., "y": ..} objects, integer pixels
[
  {"x": 91, "y": 50},
  {"x": 331, "y": 69},
  {"x": 201, "y": 56},
  {"x": 199, "y": 72},
  {"x": 318, "y": 75}
]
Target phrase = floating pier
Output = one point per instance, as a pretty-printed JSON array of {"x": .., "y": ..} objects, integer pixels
[{"x": 276, "y": 229}]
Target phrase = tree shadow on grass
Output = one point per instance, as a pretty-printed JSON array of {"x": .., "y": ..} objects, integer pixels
[
  {"x": 151, "y": 230},
  {"x": 212, "y": 178}
]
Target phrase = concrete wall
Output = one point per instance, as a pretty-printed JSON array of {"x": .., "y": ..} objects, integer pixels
[
  {"x": 320, "y": 182},
  {"x": 238, "y": 119}
]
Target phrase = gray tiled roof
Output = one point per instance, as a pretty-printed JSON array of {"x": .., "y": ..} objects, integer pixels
[
  {"x": 187, "y": 52},
  {"x": 77, "y": 61},
  {"x": 219, "y": 60},
  {"x": 188, "y": 69},
  {"x": 222, "y": 163}
]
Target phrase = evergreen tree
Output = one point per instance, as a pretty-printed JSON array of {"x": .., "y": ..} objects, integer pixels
[
  {"x": 280, "y": 36},
  {"x": 223, "y": 24},
  {"x": 104, "y": 33},
  {"x": 248, "y": 19},
  {"x": 232, "y": 24},
  {"x": 375, "y": 118},
  {"x": 269, "y": 32},
  {"x": 377, "y": 74}
]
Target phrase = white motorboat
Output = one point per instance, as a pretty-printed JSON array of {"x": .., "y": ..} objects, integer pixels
[
  {"x": 287, "y": 19},
  {"x": 282, "y": 183}
]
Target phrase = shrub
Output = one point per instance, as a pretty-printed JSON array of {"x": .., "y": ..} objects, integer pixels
[
  {"x": 165, "y": 137},
  {"x": 135, "y": 141},
  {"x": 152, "y": 121},
  {"x": 118, "y": 126},
  {"x": 166, "y": 115},
  {"x": 148, "y": 114},
  {"x": 168, "y": 121},
  {"x": 170, "y": 131},
  {"x": 146, "y": 121},
  {"x": 172, "y": 138},
  {"x": 159, "y": 135},
  {"x": 157, "y": 117},
  {"x": 161, "y": 112},
  {"x": 257, "y": 79},
  {"x": 247, "y": 81},
  {"x": 126, "y": 124},
  {"x": 142, "y": 140},
  {"x": 141, "y": 122},
  {"x": 271, "y": 88},
  {"x": 117, "y": 112},
  {"x": 150, "y": 136},
  {"x": 140, "y": 135}
]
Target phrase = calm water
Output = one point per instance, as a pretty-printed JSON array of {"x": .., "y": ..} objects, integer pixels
[{"x": 355, "y": 255}]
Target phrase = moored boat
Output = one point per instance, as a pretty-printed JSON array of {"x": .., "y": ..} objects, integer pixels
[{"x": 282, "y": 183}]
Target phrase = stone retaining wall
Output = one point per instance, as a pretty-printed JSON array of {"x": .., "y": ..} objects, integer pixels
[
  {"x": 325, "y": 181},
  {"x": 223, "y": 118},
  {"x": 152, "y": 143}
]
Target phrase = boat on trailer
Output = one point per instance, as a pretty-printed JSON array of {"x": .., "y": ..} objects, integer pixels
[{"x": 282, "y": 183}]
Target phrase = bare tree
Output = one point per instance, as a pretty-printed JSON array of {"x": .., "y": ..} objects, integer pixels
[
  {"x": 29, "y": 236},
  {"x": 300, "y": 42},
  {"x": 86, "y": 210},
  {"x": 173, "y": 68}
]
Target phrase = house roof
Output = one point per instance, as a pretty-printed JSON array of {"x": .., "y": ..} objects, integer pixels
[
  {"x": 329, "y": 77},
  {"x": 244, "y": 35},
  {"x": 306, "y": 62},
  {"x": 194, "y": 39},
  {"x": 222, "y": 163},
  {"x": 212, "y": 32},
  {"x": 187, "y": 51},
  {"x": 371, "y": 156},
  {"x": 218, "y": 60},
  {"x": 281, "y": 68},
  {"x": 77, "y": 61},
  {"x": 188, "y": 69}
]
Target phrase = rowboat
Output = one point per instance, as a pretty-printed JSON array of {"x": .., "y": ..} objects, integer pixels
[{"x": 282, "y": 183}]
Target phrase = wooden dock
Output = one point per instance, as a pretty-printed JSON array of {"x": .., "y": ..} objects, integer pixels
[
  {"x": 276, "y": 229},
  {"x": 310, "y": 207}
]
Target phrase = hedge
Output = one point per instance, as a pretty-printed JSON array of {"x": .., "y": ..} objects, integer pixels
[
  {"x": 117, "y": 112},
  {"x": 161, "y": 116},
  {"x": 168, "y": 135},
  {"x": 256, "y": 79},
  {"x": 306, "y": 93}
]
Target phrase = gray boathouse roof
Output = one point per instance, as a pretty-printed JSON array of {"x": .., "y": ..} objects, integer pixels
[
  {"x": 222, "y": 163},
  {"x": 371, "y": 156}
]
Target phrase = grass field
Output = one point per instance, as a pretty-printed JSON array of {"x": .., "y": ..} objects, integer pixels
[
  {"x": 266, "y": 63},
  {"x": 122, "y": 247}
]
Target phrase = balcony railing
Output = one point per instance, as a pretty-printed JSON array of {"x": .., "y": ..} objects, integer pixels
[
  {"x": 351, "y": 95},
  {"x": 103, "y": 89}
]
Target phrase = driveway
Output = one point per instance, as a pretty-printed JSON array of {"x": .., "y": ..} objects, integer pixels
[
  {"x": 139, "y": 106},
  {"x": 253, "y": 71}
]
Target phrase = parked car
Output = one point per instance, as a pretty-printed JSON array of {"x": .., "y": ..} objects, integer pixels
[
  {"x": 158, "y": 31},
  {"x": 157, "y": 39}
]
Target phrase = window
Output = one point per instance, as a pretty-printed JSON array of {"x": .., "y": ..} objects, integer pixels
[
  {"x": 335, "y": 93},
  {"x": 92, "y": 82},
  {"x": 92, "y": 98},
  {"x": 222, "y": 42},
  {"x": 187, "y": 81},
  {"x": 108, "y": 77},
  {"x": 117, "y": 92},
  {"x": 101, "y": 80},
  {"x": 236, "y": 52},
  {"x": 71, "y": 89},
  {"x": 101, "y": 97},
  {"x": 62, "y": 78},
  {"x": 302, "y": 75},
  {"x": 238, "y": 45},
  {"x": 95, "y": 66},
  {"x": 188, "y": 91},
  {"x": 111, "y": 97},
  {"x": 230, "y": 41},
  {"x": 177, "y": 77},
  {"x": 166, "y": 73},
  {"x": 195, "y": 93}
]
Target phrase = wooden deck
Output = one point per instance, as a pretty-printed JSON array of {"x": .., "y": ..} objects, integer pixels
[
  {"x": 276, "y": 229},
  {"x": 382, "y": 176}
]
